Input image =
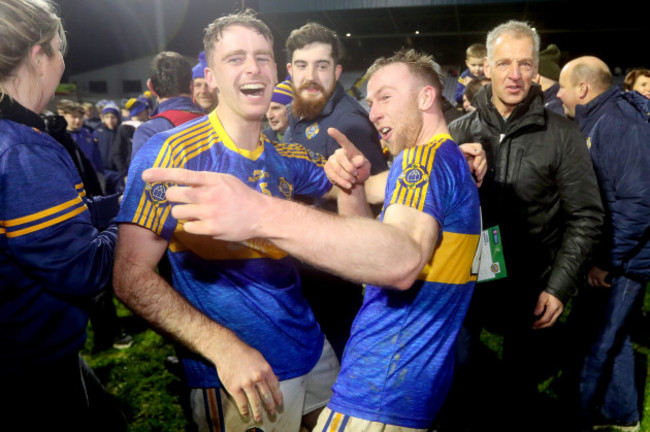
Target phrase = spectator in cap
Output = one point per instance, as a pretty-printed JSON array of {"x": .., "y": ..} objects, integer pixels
[
  {"x": 548, "y": 76},
  {"x": 147, "y": 98},
  {"x": 278, "y": 114},
  {"x": 73, "y": 112},
  {"x": 204, "y": 97},
  {"x": 139, "y": 109},
  {"x": 104, "y": 134}
]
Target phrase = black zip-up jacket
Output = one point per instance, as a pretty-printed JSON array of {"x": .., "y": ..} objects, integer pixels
[{"x": 540, "y": 188}]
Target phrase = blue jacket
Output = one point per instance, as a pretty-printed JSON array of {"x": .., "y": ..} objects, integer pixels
[
  {"x": 617, "y": 128},
  {"x": 349, "y": 117},
  {"x": 104, "y": 137},
  {"x": 463, "y": 80},
  {"x": 344, "y": 113},
  {"x": 52, "y": 258},
  {"x": 551, "y": 101},
  {"x": 84, "y": 139},
  {"x": 160, "y": 124}
]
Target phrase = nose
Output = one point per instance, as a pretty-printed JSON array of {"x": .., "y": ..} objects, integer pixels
[
  {"x": 374, "y": 115},
  {"x": 252, "y": 65},
  {"x": 514, "y": 71},
  {"x": 311, "y": 72}
]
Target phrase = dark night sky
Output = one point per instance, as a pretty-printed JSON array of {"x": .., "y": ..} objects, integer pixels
[{"x": 105, "y": 32}]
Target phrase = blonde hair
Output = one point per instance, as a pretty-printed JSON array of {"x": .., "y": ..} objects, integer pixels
[
  {"x": 422, "y": 65},
  {"x": 23, "y": 25},
  {"x": 477, "y": 50}
]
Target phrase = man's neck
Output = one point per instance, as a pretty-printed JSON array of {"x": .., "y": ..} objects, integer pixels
[
  {"x": 245, "y": 134},
  {"x": 432, "y": 125}
]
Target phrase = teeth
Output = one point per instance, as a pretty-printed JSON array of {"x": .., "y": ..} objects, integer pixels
[
  {"x": 252, "y": 86},
  {"x": 385, "y": 130}
]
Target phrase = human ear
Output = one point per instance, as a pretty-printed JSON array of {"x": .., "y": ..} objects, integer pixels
[
  {"x": 210, "y": 78},
  {"x": 426, "y": 98},
  {"x": 338, "y": 71},
  {"x": 486, "y": 68}
]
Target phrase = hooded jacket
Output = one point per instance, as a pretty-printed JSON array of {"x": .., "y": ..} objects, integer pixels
[{"x": 540, "y": 188}]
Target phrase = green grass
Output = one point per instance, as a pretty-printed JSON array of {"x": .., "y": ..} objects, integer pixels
[{"x": 151, "y": 395}]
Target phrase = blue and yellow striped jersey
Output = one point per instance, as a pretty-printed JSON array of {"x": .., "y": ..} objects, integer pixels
[
  {"x": 250, "y": 287},
  {"x": 397, "y": 365}
]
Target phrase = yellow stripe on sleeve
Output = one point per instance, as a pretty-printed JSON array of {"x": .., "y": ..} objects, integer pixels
[
  {"x": 49, "y": 223},
  {"x": 42, "y": 214}
]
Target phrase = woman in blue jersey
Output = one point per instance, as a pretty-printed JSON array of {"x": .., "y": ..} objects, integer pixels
[{"x": 52, "y": 258}]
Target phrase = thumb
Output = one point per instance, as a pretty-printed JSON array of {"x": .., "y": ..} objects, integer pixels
[{"x": 349, "y": 148}]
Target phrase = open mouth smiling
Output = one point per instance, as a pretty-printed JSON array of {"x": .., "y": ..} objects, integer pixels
[{"x": 256, "y": 89}]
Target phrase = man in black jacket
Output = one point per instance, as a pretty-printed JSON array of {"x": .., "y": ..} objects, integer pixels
[{"x": 541, "y": 190}]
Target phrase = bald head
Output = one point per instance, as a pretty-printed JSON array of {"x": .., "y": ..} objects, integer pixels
[
  {"x": 582, "y": 80},
  {"x": 591, "y": 70}
]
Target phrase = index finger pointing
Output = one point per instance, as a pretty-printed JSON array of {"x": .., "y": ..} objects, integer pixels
[{"x": 344, "y": 142}]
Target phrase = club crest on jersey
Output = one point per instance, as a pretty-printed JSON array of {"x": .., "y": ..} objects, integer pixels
[
  {"x": 285, "y": 187},
  {"x": 157, "y": 192},
  {"x": 414, "y": 176},
  {"x": 312, "y": 130}
]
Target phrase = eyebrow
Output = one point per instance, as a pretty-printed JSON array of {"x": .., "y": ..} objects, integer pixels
[
  {"x": 244, "y": 52},
  {"x": 379, "y": 90},
  {"x": 328, "y": 61}
]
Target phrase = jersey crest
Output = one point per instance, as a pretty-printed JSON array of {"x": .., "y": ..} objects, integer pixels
[
  {"x": 414, "y": 177},
  {"x": 312, "y": 130},
  {"x": 157, "y": 193},
  {"x": 285, "y": 187}
]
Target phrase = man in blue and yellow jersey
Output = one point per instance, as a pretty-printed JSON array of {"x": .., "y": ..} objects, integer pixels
[
  {"x": 252, "y": 342},
  {"x": 416, "y": 262}
]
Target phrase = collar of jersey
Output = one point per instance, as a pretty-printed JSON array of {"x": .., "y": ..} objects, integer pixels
[
  {"x": 228, "y": 143},
  {"x": 441, "y": 137}
]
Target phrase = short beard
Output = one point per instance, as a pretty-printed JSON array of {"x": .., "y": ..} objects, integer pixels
[
  {"x": 408, "y": 135},
  {"x": 309, "y": 109}
]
